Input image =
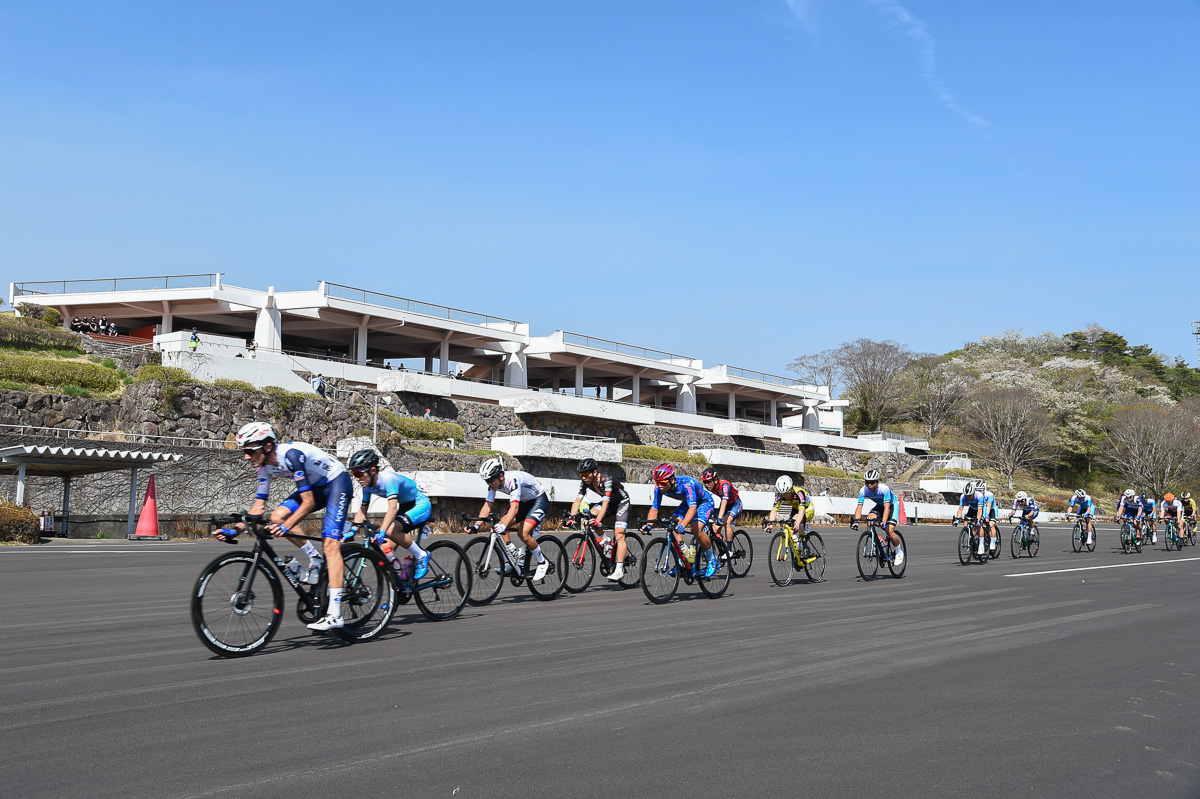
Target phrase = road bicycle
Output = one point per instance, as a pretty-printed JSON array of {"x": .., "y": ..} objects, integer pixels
[
  {"x": 874, "y": 550},
  {"x": 1131, "y": 536},
  {"x": 1079, "y": 536},
  {"x": 666, "y": 562},
  {"x": 442, "y": 593},
  {"x": 791, "y": 551},
  {"x": 1025, "y": 538},
  {"x": 491, "y": 562},
  {"x": 1172, "y": 537},
  {"x": 969, "y": 540},
  {"x": 237, "y": 602},
  {"x": 738, "y": 553},
  {"x": 590, "y": 546}
]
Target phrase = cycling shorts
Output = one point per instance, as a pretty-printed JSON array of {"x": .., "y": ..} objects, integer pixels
[
  {"x": 618, "y": 514},
  {"x": 535, "y": 509},
  {"x": 972, "y": 512},
  {"x": 334, "y": 497},
  {"x": 733, "y": 511},
  {"x": 1129, "y": 513},
  {"x": 1028, "y": 514},
  {"x": 704, "y": 511},
  {"x": 417, "y": 512},
  {"x": 878, "y": 511},
  {"x": 992, "y": 513}
]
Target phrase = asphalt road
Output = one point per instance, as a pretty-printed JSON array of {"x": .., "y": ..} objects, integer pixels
[{"x": 1044, "y": 677}]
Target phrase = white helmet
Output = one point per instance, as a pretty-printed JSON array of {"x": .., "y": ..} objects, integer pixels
[
  {"x": 783, "y": 485},
  {"x": 1079, "y": 492},
  {"x": 1022, "y": 496},
  {"x": 255, "y": 433},
  {"x": 1129, "y": 493},
  {"x": 872, "y": 476},
  {"x": 490, "y": 468},
  {"x": 969, "y": 488},
  {"x": 982, "y": 486}
]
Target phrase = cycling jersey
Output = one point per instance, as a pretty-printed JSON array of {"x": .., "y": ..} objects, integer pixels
[
  {"x": 725, "y": 491},
  {"x": 1128, "y": 508},
  {"x": 308, "y": 466},
  {"x": 691, "y": 494},
  {"x": 799, "y": 503},
  {"x": 881, "y": 496},
  {"x": 988, "y": 503},
  {"x": 969, "y": 500},
  {"x": 610, "y": 488},
  {"x": 1189, "y": 507},
  {"x": 1148, "y": 506},
  {"x": 1028, "y": 511},
  {"x": 520, "y": 487},
  {"x": 1086, "y": 506},
  {"x": 413, "y": 503},
  {"x": 1172, "y": 508}
]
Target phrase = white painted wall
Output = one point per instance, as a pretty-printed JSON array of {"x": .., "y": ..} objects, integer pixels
[
  {"x": 752, "y": 460},
  {"x": 535, "y": 446}
]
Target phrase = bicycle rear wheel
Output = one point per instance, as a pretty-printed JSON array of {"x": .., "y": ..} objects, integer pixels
[
  {"x": 813, "y": 554},
  {"x": 581, "y": 562},
  {"x": 446, "y": 587},
  {"x": 1077, "y": 538},
  {"x": 741, "y": 554},
  {"x": 964, "y": 546},
  {"x": 1034, "y": 541},
  {"x": 659, "y": 571},
  {"x": 233, "y": 614},
  {"x": 368, "y": 594},
  {"x": 488, "y": 564},
  {"x": 552, "y": 584},
  {"x": 715, "y": 586},
  {"x": 780, "y": 559},
  {"x": 1091, "y": 545},
  {"x": 898, "y": 570},
  {"x": 633, "y": 561},
  {"x": 867, "y": 556}
]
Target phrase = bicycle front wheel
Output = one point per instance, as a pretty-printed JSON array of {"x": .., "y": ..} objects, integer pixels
[
  {"x": 964, "y": 546},
  {"x": 235, "y": 612},
  {"x": 780, "y": 560},
  {"x": 368, "y": 594},
  {"x": 741, "y": 554},
  {"x": 813, "y": 555},
  {"x": 898, "y": 570},
  {"x": 1126, "y": 538},
  {"x": 552, "y": 584},
  {"x": 867, "y": 556},
  {"x": 633, "y": 561},
  {"x": 1034, "y": 541},
  {"x": 714, "y": 586},
  {"x": 1077, "y": 538},
  {"x": 488, "y": 564},
  {"x": 581, "y": 562},
  {"x": 659, "y": 572},
  {"x": 446, "y": 587}
]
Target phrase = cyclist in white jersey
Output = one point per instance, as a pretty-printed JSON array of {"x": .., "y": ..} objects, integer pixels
[{"x": 528, "y": 504}]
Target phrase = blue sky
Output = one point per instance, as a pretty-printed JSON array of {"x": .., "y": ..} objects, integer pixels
[{"x": 740, "y": 181}]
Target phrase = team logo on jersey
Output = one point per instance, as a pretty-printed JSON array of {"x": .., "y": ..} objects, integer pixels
[{"x": 298, "y": 476}]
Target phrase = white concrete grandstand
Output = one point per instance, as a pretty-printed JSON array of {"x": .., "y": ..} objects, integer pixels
[{"x": 371, "y": 339}]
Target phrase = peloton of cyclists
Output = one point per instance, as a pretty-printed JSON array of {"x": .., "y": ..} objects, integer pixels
[
  {"x": 528, "y": 505},
  {"x": 692, "y": 514},
  {"x": 407, "y": 508},
  {"x": 613, "y": 508},
  {"x": 1082, "y": 505}
]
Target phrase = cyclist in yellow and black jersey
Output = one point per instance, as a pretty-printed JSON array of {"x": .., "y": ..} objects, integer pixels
[{"x": 792, "y": 503}]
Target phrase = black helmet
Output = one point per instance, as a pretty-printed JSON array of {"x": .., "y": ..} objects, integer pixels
[
  {"x": 363, "y": 459},
  {"x": 709, "y": 474},
  {"x": 587, "y": 465}
]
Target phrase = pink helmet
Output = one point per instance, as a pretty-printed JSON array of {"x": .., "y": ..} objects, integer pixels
[{"x": 663, "y": 472}]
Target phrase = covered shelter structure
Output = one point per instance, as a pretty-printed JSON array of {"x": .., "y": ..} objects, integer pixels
[{"x": 35, "y": 460}]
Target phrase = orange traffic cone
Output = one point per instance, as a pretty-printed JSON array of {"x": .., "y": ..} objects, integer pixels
[
  {"x": 903, "y": 515},
  {"x": 147, "y": 526}
]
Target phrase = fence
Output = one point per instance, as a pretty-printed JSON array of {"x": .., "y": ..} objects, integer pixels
[
  {"x": 114, "y": 435},
  {"x": 339, "y": 291},
  {"x": 117, "y": 284}
]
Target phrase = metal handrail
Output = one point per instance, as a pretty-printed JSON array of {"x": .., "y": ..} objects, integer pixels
[
  {"x": 749, "y": 449},
  {"x": 339, "y": 291},
  {"x": 609, "y": 345},
  {"x": 762, "y": 377},
  {"x": 550, "y": 434},
  {"x": 117, "y": 435},
  {"x": 881, "y": 435},
  {"x": 198, "y": 281}
]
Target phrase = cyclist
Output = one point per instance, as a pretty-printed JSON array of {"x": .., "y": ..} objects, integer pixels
[
  {"x": 528, "y": 504},
  {"x": 695, "y": 508},
  {"x": 968, "y": 508},
  {"x": 407, "y": 507},
  {"x": 1171, "y": 508},
  {"x": 793, "y": 501},
  {"x": 1027, "y": 507},
  {"x": 988, "y": 513},
  {"x": 613, "y": 508},
  {"x": 321, "y": 482},
  {"x": 883, "y": 509},
  {"x": 1128, "y": 509},
  {"x": 1086, "y": 509},
  {"x": 1148, "y": 515},
  {"x": 726, "y": 499},
  {"x": 1189, "y": 510}
]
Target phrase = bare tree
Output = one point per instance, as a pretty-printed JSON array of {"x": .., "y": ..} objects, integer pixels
[
  {"x": 1014, "y": 429},
  {"x": 870, "y": 370},
  {"x": 935, "y": 393},
  {"x": 821, "y": 369},
  {"x": 1153, "y": 447}
]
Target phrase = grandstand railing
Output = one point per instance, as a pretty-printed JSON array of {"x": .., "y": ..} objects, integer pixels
[
  {"x": 339, "y": 291},
  {"x": 92, "y": 285}
]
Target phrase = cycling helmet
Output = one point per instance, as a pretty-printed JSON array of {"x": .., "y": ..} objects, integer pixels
[
  {"x": 587, "y": 465},
  {"x": 1186, "y": 495},
  {"x": 1022, "y": 496},
  {"x": 255, "y": 433},
  {"x": 362, "y": 460},
  {"x": 872, "y": 476},
  {"x": 1129, "y": 493},
  {"x": 709, "y": 474},
  {"x": 491, "y": 468},
  {"x": 1169, "y": 497},
  {"x": 982, "y": 486},
  {"x": 969, "y": 488},
  {"x": 783, "y": 484},
  {"x": 663, "y": 472},
  {"x": 1079, "y": 492}
]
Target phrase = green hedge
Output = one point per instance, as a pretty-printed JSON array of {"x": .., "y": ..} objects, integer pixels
[
  {"x": 240, "y": 385},
  {"x": 170, "y": 375},
  {"x": 823, "y": 471},
  {"x": 47, "y": 372},
  {"x": 288, "y": 400},
  {"x": 18, "y": 524},
  {"x": 422, "y": 429},
  {"x": 30, "y": 334},
  {"x": 645, "y": 452}
]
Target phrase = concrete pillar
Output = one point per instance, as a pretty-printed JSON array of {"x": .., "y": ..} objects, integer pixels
[
  {"x": 555, "y": 385},
  {"x": 168, "y": 320},
  {"x": 66, "y": 508},
  {"x": 608, "y": 391},
  {"x": 811, "y": 420},
  {"x": 360, "y": 344},
  {"x": 132, "y": 501},
  {"x": 637, "y": 389},
  {"x": 774, "y": 413},
  {"x": 268, "y": 329},
  {"x": 686, "y": 401},
  {"x": 444, "y": 356},
  {"x": 516, "y": 373},
  {"x": 732, "y": 405},
  {"x": 428, "y": 363},
  {"x": 658, "y": 398},
  {"x": 21, "y": 484},
  {"x": 579, "y": 379}
]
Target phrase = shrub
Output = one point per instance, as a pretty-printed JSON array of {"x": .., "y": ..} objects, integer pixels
[
  {"x": 12, "y": 384},
  {"x": 645, "y": 452},
  {"x": 422, "y": 429},
  {"x": 288, "y": 400},
  {"x": 1051, "y": 504},
  {"x": 813, "y": 470},
  {"x": 75, "y": 391},
  {"x": 240, "y": 385},
  {"x": 31, "y": 310},
  {"x": 167, "y": 398},
  {"x": 45, "y": 372},
  {"x": 30, "y": 334},
  {"x": 109, "y": 363},
  {"x": 168, "y": 374},
  {"x": 52, "y": 317},
  {"x": 18, "y": 524}
]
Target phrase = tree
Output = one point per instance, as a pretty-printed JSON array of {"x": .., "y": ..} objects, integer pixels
[
  {"x": 821, "y": 369},
  {"x": 1013, "y": 428},
  {"x": 870, "y": 370},
  {"x": 935, "y": 393},
  {"x": 1153, "y": 447}
]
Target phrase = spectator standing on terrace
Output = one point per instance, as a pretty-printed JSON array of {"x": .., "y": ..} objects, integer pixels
[
  {"x": 252, "y": 348},
  {"x": 194, "y": 341},
  {"x": 318, "y": 384},
  {"x": 103, "y": 324},
  {"x": 93, "y": 325}
]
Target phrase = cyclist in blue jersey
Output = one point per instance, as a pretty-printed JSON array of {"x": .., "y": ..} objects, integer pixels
[
  {"x": 969, "y": 507},
  {"x": 1148, "y": 513},
  {"x": 987, "y": 507},
  {"x": 695, "y": 508},
  {"x": 883, "y": 508},
  {"x": 1085, "y": 508},
  {"x": 407, "y": 508},
  {"x": 1026, "y": 507},
  {"x": 321, "y": 482}
]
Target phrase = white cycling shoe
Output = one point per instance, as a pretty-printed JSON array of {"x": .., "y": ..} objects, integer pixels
[
  {"x": 898, "y": 558},
  {"x": 327, "y": 622},
  {"x": 618, "y": 574},
  {"x": 540, "y": 572}
]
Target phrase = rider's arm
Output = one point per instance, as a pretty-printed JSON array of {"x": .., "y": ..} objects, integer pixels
[
  {"x": 512, "y": 512},
  {"x": 389, "y": 517},
  {"x": 307, "y": 506},
  {"x": 484, "y": 512}
]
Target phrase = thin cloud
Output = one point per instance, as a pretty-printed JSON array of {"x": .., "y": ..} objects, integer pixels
[
  {"x": 916, "y": 30},
  {"x": 805, "y": 14}
]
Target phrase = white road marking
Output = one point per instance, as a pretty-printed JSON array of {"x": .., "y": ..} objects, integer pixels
[{"x": 1093, "y": 568}]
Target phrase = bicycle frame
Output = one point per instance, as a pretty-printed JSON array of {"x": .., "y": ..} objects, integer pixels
[
  {"x": 789, "y": 541},
  {"x": 407, "y": 585},
  {"x": 254, "y": 525},
  {"x": 675, "y": 550}
]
